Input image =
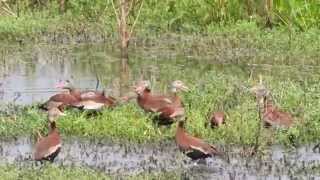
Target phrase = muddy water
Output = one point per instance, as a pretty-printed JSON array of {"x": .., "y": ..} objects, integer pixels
[{"x": 116, "y": 158}]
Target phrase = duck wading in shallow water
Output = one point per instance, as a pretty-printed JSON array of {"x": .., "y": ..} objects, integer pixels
[
  {"x": 47, "y": 148},
  {"x": 168, "y": 107},
  {"x": 193, "y": 147}
]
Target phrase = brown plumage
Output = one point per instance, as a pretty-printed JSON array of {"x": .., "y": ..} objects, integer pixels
[
  {"x": 270, "y": 114},
  {"x": 47, "y": 148},
  {"x": 168, "y": 107},
  {"x": 62, "y": 100},
  {"x": 89, "y": 99},
  {"x": 217, "y": 119},
  {"x": 193, "y": 147}
]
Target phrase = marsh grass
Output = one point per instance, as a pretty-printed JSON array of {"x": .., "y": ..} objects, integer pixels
[
  {"x": 212, "y": 91},
  {"x": 53, "y": 171},
  {"x": 49, "y": 171}
]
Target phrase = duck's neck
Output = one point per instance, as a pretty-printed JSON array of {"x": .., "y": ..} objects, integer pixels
[
  {"x": 53, "y": 126},
  {"x": 180, "y": 127},
  {"x": 74, "y": 92},
  {"x": 264, "y": 103},
  {"x": 146, "y": 93}
]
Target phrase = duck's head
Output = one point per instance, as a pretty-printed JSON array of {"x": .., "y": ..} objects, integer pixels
[
  {"x": 178, "y": 85},
  {"x": 141, "y": 86},
  {"x": 64, "y": 84}
]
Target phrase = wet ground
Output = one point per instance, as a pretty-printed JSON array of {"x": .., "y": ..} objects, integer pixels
[
  {"x": 129, "y": 159},
  {"x": 28, "y": 75}
]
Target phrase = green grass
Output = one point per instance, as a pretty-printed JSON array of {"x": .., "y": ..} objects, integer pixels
[
  {"x": 52, "y": 171},
  {"x": 212, "y": 91},
  {"x": 42, "y": 22}
]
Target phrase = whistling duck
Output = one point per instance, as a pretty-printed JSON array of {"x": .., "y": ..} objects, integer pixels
[
  {"x": 90, "y": 100},
  {"x": 47, "y": 148},
  {"x": 169, "y": 107},
  {"x": 193, "y": 147},
  {"x": 83, "y": 95},
  {"x": 216, "y": 119},
  {"x": 62, "y": 100},
  {"x": 270, "y": 114}
]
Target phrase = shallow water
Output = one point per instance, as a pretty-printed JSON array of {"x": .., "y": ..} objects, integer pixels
[
  {"x": 28, "y": 73},
  {"x": 129, "y": 159}
]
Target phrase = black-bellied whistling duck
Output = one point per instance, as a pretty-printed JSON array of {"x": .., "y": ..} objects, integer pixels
[
  {"x": 64, "y": 99},
  {"x": 60, "y": 101},
  {"x": 83, "y": 95},
  {"x": 90, "y": 100},
  {"x": 270, "y": 114},
  {"x": 193, "y": 147},
  {"x": 216, "y": 119},
  {"x": 148, "y": 101},
  {"x": 168, "y": 107},
  {"x": 47, "y": 148}
]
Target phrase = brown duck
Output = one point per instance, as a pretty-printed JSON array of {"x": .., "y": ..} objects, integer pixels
[
  {"x": 270, "y": 114},
  {"x": 168, "y": 107},
  {"x": 62, "y": 100},
  {"x": 47, "y": 148},
  {"x": 193, "y": 147},
  {"x": 216, "y": 119}
]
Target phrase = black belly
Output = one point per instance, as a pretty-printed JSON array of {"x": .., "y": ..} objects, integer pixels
[
  {"x": 52, "y": 156},
  {"x": 196, "y": 154}
]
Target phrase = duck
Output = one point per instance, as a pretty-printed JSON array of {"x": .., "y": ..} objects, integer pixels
[
  {"x": 84, "y": 95},
  {"x": 216, "y": 119},
  {"x": 47, "y": 148},
  {"x": 195, "y": 148},
  {"x": 270, "y": 113},
  {"x": 146, "y": 100},
  {"x": 61, "y": 101},
  {"x": 64, "y": 99},
  {"x": 96, "y": 103},
  {"x": 168, "y": 107}
]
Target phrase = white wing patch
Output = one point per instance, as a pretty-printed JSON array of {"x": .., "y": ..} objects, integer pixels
[{"x": 51, "y": 150}]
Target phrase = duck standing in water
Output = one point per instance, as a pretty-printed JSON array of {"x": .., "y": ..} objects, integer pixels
[
  {"x": 47, "y": 148},
  {"x": 168, "y": 107},
  {"x": 193, "y": 147}
]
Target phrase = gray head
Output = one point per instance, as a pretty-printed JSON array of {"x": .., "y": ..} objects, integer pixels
[
  {"x": 64, "y": 84},
  {"x": 178, "y": 85},
  {"x": 141, "y": 86},
  {"x": 259, "y": 91}
]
